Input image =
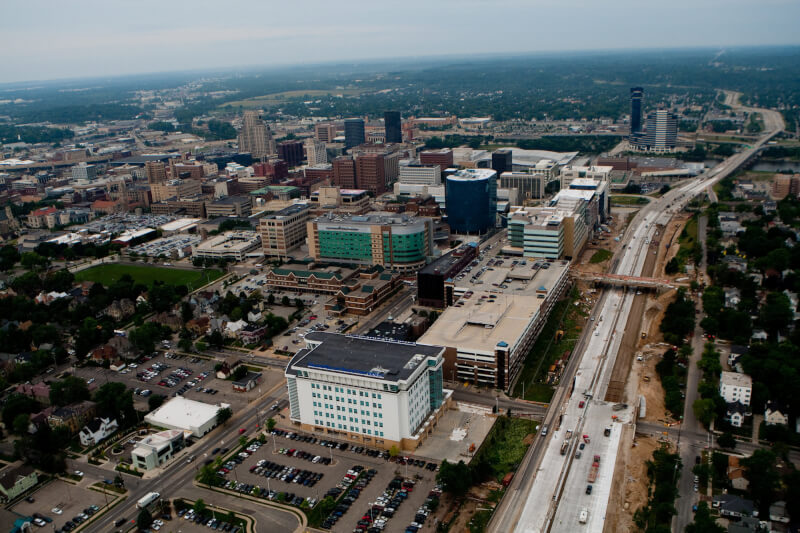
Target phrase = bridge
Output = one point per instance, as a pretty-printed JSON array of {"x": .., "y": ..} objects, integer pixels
[{"x": 618, "y": 280}]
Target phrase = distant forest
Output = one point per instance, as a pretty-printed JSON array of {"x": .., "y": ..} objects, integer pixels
[{"x": 556, "y": 86}]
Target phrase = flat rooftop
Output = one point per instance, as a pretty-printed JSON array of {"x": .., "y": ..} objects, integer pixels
[
  {"x": 180, "y": 412},
  {"x": 288, "y": 211},
  {"x": 369, "y": 357},
  {"x": 444, "y": 263},
  {"x": 494, "y": 315}
]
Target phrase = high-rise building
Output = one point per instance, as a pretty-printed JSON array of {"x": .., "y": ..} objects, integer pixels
[
  {"x": 291, "y": 152},
  {"x": 662, "y": 132},
  {"x": 398, "y": 242},
  {"x": 344, "y": 172},
  {"x": 156, "y": 171},
  {"x": 501, "y": 161},
  {"x": 415, "y": 174},
  {"x": 637, "y": 93},
  {"x": 472, "y": 200},
  {"x": 353, "y": 132},
  {"x": 284, "y": 231},
  {"x": 392, "y": 124},
  {"x": 443, "y": 158},
  {"x": 82, "y": 171},
  {"x": 316, "y": 154},
  {"x": 255, "y": 137},
  {"x": 325, "y": 133},
  {"x": 370, "y": 173}
]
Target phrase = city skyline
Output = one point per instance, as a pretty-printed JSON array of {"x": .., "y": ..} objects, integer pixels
[{"x": 37, "y": 44}]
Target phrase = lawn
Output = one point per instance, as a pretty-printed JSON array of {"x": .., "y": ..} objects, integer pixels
[
  {"x": 505, "y": 445},
  {"x": 108, "y": 274},
  {"x": 629, "y": 200},
  {"x": 600, "y": 255},
  {"x": 276, "y": 98},
  {"x": 565, "y": 317}
]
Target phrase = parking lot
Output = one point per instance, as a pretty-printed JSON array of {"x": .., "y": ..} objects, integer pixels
[
  {"x": 70, "y": 499},
  {"x": 274, "y": 463},
  {"x": 194, "y": 377}
]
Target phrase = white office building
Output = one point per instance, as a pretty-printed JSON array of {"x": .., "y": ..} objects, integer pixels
[
  {"x": 415, "y": 174},
  {"x": 735, "y": 387},
  {"x": 157, "y": 449},
  {"x": 371, "y": 391},
  {"x": 316, "y": 153},
  {"x": 194, "y": 417}
]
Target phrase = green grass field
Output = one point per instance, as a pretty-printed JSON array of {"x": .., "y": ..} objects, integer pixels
[
  {"x": 276, "y": 98},
  {"x": 108, "y": 274},
  {"x": 629, "y": 200},
  {"x": 601, "y": 255}
]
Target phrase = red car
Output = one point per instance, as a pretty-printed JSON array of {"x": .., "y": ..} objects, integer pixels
[
  {"x": 242, "y": 431},
  {"x": 580, "y": 404}
]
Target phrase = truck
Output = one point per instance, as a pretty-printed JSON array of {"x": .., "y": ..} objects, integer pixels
[
  {"x": 147, "y": 499},
  {"x": 607, "y": 431},
  {"x": 593, "y": 471},
  {"x": 583, "y": 516},
  {"x": 565, "y": 444},
  {"x": 507, "y": 479}
]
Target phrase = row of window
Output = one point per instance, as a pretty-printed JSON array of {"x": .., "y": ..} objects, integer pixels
[
  {"x": 344, "y": 390},
  {"x": 346, "y": 427}
]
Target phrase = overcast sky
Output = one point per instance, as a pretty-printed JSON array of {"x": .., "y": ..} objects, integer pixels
[{"x": 48, "y": 39}]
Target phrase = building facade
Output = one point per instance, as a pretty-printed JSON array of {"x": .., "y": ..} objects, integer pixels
[
  {"x": 415, "y": 174},
  {"x": 392, "y": 241},
  {"x": 291, "y": 152},
  {"x": 285, "y": 230},
  {"x": 376, "y": 392},
  {"x": 325, "y": 133},
  {"x": 393, "y": 127},
  {"x": 434, "y": 282},
  {"x": 157, "y": 449},
  {"x": 231, "y": 245},
  {"x": 443, "y": 158},
  {"x": 316, "y": 153},
  {"x": 472, "y": 200},
  {"x": 661, "y": 134},
  {"x": 353, "y": 132},
  {"x": 255, "y": 136},
  {"x": 735, "y": 387}
]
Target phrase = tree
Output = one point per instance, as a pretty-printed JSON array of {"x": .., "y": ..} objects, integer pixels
[
  {"x": 199, "y": 506},
  {"x": 186, "y": 311},
  {"x": 243, "y": 441},
  {"x": 776, "y": 313},
  {"x": 285, "y": 301},
  {"x": 704, "y": 522},
  {"x": 455, "y": 478},
  {"x": 17, "y": 404},
  {"x": 299, "y": 303},
  {"x": 33, "y": 261},
  {"x": 673, "y": 266},
  {"x": 155, "y": 401},
  {"x": 271, "y": 424},
  {"x": 239, "y": 372},
  {"x": 223, "y": 415},
  {"x": 115, "y": 400},
  {"x": 704, "y": 410},
  {"x": 394, "y": 451},
  {"x": 726, "y": 440},
  {"x": 760, "y": 471},
  {"x": 271, "y": 299},
  {"x": 200, "y": 346},
  {"x": 68, "y": 390},
  {"x": 21, "y": 423},
  {"x": 215, "y": 339},
  {"x": 144, "y": 520}
]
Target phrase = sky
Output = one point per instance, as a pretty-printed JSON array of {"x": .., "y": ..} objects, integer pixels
[{"x": 53, "y": 39}]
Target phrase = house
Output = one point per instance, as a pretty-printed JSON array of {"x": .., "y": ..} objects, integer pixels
[
  {"x": 252, "y": 333},
  {"x": 735, "y": 263},
  {"x": 735, "y": 413},
  {"x": 733, "y": 297},
  {"x": 120, "y": 309},
  {"x": 747, "y": 524},
  {"x": 39, "y": 392},
  {"x": 16, "y": 480},
  {"x": 792, "y": 303},
  {"x": 228, "y": 366},
  {"x": 173, "y": 322},
  {"x": 199, "y": 326},
  {"x": 732, "y": 506},
  {"x": 248, "y": 382},
  {"x": 775, "y": 414},
  {"x": 735, "y": 387},
  {"x": 105, "y": 352},
  {"x": 736, "y": 474},
  {"x": 39, "y": 419},
  {"x": 759, "y": 335},
  {"x": 97, "y": 430},
  {"x": 777, "y": 512},
  {"x": 47, "y": 298},
  {"x": 734, "y": 357},
  {"x": 730, "y": 228},
  {"x": 72, "y": 416},
  {"x": 122, "y": 345},
  {"x": 232, "y": 328}
]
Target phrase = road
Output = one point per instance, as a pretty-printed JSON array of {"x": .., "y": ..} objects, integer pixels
[
  {"x": 176, "y": 480},
  {"x": 532, "y": 503}
]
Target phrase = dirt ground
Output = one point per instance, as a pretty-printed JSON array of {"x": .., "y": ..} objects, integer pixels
[
  {"x": 477, "y": 499},
  {"x": 671, "y": 234},
  {"x": 603, "y": 241},
  {"x": 630, "y": 483}
]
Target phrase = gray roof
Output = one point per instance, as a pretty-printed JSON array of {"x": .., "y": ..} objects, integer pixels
[{"x": 350, "y": 354}]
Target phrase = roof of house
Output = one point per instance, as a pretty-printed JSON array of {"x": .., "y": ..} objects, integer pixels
[
  {"x": 250, "y": 376},
  {"x": 10, "y": 476}
]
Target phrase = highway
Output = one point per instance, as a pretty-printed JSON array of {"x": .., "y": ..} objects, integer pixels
[{"x": 549, "y": 493}]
